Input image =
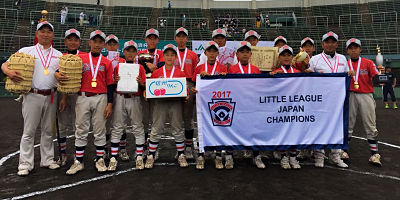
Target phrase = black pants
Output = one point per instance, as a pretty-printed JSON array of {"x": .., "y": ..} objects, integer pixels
[{"x": 386, "y": 90}]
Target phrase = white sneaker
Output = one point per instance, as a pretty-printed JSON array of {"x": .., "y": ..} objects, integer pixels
[
  {"x": 189, "y": 152},
  {"x": 112, "y": 166},
  {"x": 258, "y": 162},
  {"x": 101, "y": 165},
  {"x": 285, "y": 163},
  {"x": 344, "y": 156},
  {"x": 149, "y": 162},
  {"x": 23, "y": 172},
  {"x": 277, "y": 155},
  {"x": 75, "y": 168},
  {"x": 53, "y": 165},
  {"x": 375, "y": 160},
  {"x": 123, "y": 155},
  {"x": 247, "y": 154},
  {"x": 319, "y": 162},
  {"x": 228, "y": 162},
  {"x": 218, "y": 162},
  {"x": 200, "y": 163},
  {"x": 338, "y": 162},
  {"x": 182, "y": 161},
  {"x": 294, "y": 163},
  {"x": 139, "y": 163},
  {"x": 62, "y": 161}
]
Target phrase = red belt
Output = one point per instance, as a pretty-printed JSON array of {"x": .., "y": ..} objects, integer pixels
[
  {"x": 43, "y": 92},
  {"x": 88, "y": 94}
]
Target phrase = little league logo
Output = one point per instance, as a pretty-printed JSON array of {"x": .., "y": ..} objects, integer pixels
[{"x": 221, "y": 111}]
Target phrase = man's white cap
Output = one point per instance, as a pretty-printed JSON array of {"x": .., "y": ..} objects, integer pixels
[
  {"x": 243, "y": 44},
  {"x": 210, "y": 44},
  {"x": 218, "y": 32},
  {"x": 170, "y": 46},
  {"x": 285, "y": 48},
  {"x": 97, "y": 33},
  {"x": 251, "y": 33},
  {"x": 130, "y": 43},
  {"x": 307, "y": 39},
  {"x": 112, "y": 37},
  {"x": 330, "y": 34},
  {"x": 351, "y": 41},
  {"x": 72, "y": 31},
  {"x": 181, "y": 29},
  {"x": 44, "y": 23},
  {"x": 280, "y": 38},
  {"x": 152, "y": 31}
]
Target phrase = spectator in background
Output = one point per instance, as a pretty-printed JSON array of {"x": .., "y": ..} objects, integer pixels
[
  {"x": 183, "y": 19},
  {"x": 82, "y": 17},
  {"x": 91, "y": 19},
  {"x": 262, "y": 19},
  {"x": 203, "y": 24},
  {"x": 388, "y": 88},
  {"x": 64, "y": 13},
  {"x": 98, "y": 2},
  {"x": 267, "y": 22},
  {"x": 258, "y": 21},
  {"x": 18, "y": 3},
  {"x": 169, "y": 5}
]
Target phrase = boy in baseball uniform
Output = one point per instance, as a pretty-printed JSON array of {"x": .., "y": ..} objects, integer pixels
[
  {"x": 40, "y": 104},
  {"x": 252, "y": 37},
  {"x": 94, "y": 102}
]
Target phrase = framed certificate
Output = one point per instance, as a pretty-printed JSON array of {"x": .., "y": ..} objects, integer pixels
[{"x": 265, "y": 58}]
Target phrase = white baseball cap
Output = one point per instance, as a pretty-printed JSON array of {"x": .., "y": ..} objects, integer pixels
[
  {"x": 112, "y": 37},
  {"x": 330, "y": 34},
  {"x": 243, "y": 44},
  {"x": 130, "y": 43},
  {"x": 285, "y": 48},
  {"x": 44, "y": 23},
  {"x": 181, "y": 29},
  {"x": 210, "y": 44},
  {"x": 307, "y": 39},
  {"x": 97, "y": 33},
  {"x": 251, "y": 33},
  {"x": 280, "y": 38},
  {"x": 152, "y": 31},
  {"x": 170, "y": 46},
  {"x": 353, "y": 41},
  {"x": 72, "y": 31},
  {"x": 217, "y": 32}
]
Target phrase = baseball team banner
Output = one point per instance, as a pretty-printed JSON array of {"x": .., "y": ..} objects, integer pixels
[
  {"x": 198, "y": 46},
  {"x": 281, "y": 112}
]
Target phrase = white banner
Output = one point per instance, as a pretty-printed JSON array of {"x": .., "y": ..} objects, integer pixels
[
  {"x": 165, "y": 87},
  {"x": 260, "y": 112},
  {"x": 198, "y": 45}
]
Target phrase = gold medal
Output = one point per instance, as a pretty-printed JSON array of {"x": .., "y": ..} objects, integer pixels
[
  {"x": 94, "y": 83},
  {"x": 356, "y": 85},
  {"x": 46, "y": 72}
]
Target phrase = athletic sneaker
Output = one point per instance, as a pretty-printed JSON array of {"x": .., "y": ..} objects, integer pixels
[
  {"x": 319, "y": 162},
  {"x": 277, "y": 155},
  {"x": 101, "y": 165},
  {"x": 23, "y": 172},
  {"x": 123, "y": 155},
  {"x": 112, "y": 166},
  {"x": 200, "y": 163},
  {"x": 228, "y": 162},
  {"x": 344, "y": 156},
  {"x": 149, "y": 162},
  {"x": 338, "y": 162},
  {"x": 75, "y": 168},
  {"x": 218, "y": 162},
  {"x": 189, "y": 152},
  {"x": 285, "y": 162},
  {"x": 139, "y": 163},
  {"x": 62, "y": 160},
  {"x": 387, "y": 106},
  {"x": 182, "y": 161},
  {"x": 395, "y": 106},
  {"x": 375, "y": 160},
  {"x": 258, "y": 162},
  {"x": 294, "y": 163}
]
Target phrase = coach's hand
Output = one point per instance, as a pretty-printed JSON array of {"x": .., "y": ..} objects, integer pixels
[
  {"x": 117, "y": 78},
  {"x": 15, "y": 76},
  {"x": 151, "y": 66},
  {"x": 108, "y": 111},
  {"x": 61, "y": 77},
  {"x": 63, "y": 103}
]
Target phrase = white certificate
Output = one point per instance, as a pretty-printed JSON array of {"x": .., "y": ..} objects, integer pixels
[{"x": 128, "y": 74}]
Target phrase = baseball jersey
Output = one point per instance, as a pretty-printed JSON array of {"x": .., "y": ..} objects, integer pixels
[
  {"x": 190, "y": 62},
  {"x": 159, "y": 73},
  {"x": 235, "y": 69},
  {"x": 226, "y": 55},
  {"x": 40, "y": 80},
  {"x": 290, "y": 70},
  {"x": 142, "y": 74},
  {"x": 324, "y": 63},
  {"x": 219, "y": 68},
  {"x": 158, "y": 55},
  {"x": 104, "y": 75},
  {"x": 366, "y": 74}
]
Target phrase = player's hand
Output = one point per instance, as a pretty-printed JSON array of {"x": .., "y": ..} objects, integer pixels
[
  {"x": 62, "y": 104},
  {"x": 108, "y": 110},
  {"x": 187, "y": 98},
  {"x": 204, "y": 73},
  {"x": 15, "y": 76},
  {"x": 351, "y": 73},
  {"x": 223, "y": 73},
  {"x": 308, "y": 71},
  {"x": 151, "y": 66},
  {"x": 117, "y": 78},
  {"x": 306, "y": 61},
  {"x": 144, "y": 95},
  {"x": 61, "y": 77},
  {"x": 194, "y": 91}
]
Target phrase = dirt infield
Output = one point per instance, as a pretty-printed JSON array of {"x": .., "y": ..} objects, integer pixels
[{"x": 167, "y": 180}]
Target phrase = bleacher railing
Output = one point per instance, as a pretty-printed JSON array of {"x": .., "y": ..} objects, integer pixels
[
  {"x": 179, "y": 21},
  {"x": 8, "y": 13},
  {"x": 302, "y": 21},
  {"x": 368, "y": 18},
  {"x": 122, "y": 20}
]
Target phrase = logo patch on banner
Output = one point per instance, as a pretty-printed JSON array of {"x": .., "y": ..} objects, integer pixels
[{"x": 221, "y": 111}]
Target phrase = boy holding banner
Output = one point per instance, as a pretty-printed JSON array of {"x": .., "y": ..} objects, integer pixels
[
  {"x": 361, "y": 98},
  {"x": 128, "y": 108},
  {"x": 210, "y": 68},
  {"x": 164, "y": 107}
]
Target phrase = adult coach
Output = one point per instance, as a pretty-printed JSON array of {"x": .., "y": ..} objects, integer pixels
[
  {"x": 329, "y": 62},
  {"x": 40, "y": 104}
]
